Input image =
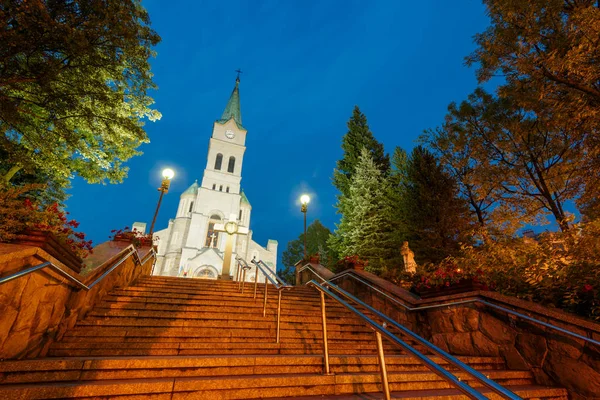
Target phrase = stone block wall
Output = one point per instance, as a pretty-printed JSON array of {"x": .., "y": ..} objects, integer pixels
[
  {"x": 476, "y": 329},
  {"x": 554, "y": 358},
  {"x": 40, "y": 307}
]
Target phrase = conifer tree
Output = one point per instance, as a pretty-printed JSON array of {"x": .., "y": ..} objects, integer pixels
[
  {"x": 359, "y": 136},
  {"x": 437, "y": 219},
  {"x": 366, "y": 222}
]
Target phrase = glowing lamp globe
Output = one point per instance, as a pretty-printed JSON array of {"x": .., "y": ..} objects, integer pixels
[
  {"x": 305, "y": 199},
  {"x": 168, "y": 173}
]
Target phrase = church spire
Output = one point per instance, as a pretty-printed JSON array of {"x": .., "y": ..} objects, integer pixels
[{"x": 232, "y": 110}]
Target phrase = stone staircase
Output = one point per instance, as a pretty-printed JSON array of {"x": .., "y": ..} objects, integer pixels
[{"x": 174, "y": 338}]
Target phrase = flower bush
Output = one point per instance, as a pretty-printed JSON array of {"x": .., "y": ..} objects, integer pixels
[
  {"x": 557, "y": 269},
  {"x": 349, "y": 262},
  {"x": 134, "y": 236},
  {"x": 18, "y": 214},
  {"x": 447, "y": 274}
]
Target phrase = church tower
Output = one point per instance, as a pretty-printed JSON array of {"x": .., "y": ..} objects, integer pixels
[{"x": 191, "y": 245}]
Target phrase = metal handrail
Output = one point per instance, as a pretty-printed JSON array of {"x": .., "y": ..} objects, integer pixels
[
  {"x": 77, "y": 282},
  {"x": 307, "y": 266},
  {"x": 381, "y": 330},
  {"x": 241, "y": 263},
  {"x": 444, "y": 355},
  {"x": 455, "y": 303},
  {"x": 278, "y": 283}
]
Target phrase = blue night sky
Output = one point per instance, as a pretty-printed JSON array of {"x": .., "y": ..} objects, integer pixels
[{"x": 306, "y": 64}]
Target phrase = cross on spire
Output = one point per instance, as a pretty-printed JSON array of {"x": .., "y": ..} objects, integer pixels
[{"x": 239, "y": 71}]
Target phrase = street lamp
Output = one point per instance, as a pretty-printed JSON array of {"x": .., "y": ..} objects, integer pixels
[
  {"x": 167, "y": 174},
  {"x": 304, "y": 200}
]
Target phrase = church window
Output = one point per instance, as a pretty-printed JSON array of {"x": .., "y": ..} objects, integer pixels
[
  {"x": 240, "y": 218},
  {"x": 219, "y": 161},
  {"x": 191, "y": 206},
  {"x": 227, "y": 190},
  {"x": 231, "y": 165},
  {"x": 214, "y": 186},
  {"x": 212, "y": 236},
  {"x": 220, "y": 188}
]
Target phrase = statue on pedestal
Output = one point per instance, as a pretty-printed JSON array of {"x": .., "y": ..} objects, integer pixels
[{"x": 409, "y": 258}]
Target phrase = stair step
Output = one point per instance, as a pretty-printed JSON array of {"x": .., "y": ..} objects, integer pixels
[
  {"x": 246, "y": 386},
  {"x": 523, "y": 391},
  {"x": 48, "y": 370}
]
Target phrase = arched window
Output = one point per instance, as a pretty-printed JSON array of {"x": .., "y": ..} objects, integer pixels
[
  {"x": 231, "y": 165},
  {"x": 220, "y": 188},
  {"x": 214, "y": 186},
  {"x": 212, "y": 236},
  {"x": 227, "y": 190},
  {"x": 219, "y": 161},
  {"x": 240, "y": 215},
  {"x": 191, "y": 206}
]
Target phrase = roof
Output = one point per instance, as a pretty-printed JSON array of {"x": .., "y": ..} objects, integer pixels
[
  {"x": 244, "y": 198},
  {"x": 192, "y": 189},
  {"x": 232, "y": 109}
]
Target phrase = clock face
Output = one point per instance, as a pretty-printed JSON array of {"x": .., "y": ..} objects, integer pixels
[{"x": 229, "y": 133}]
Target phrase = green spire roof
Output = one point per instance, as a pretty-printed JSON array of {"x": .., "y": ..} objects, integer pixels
[
  {"x": 244, "y": 198},
  {"x": 192, "y": 189},
  {"x": 232, "y": 110}
]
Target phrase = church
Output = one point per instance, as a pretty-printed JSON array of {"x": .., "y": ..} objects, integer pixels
[{"x": 193, "y": 244}]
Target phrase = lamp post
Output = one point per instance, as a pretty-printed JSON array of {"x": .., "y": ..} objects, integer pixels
[
  {"x": 167, "y": 174},
  {"x": 304, "y": 200}
]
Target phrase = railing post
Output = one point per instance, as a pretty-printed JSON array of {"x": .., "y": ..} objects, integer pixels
[
  {"x": 382, "y": 367},
  {"x": 265, "y": 301},
  {"x": 255, "y": 281},
  {"x": 325, "y": 346},
  {"x": 278, "y": 313},
  {"x": 237, "y": 274},
  {"x": 243, "y": 279}
]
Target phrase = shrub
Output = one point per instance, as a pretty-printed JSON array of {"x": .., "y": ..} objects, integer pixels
[
  {"x": 134, "y": 236},
  {"x": 558, "y": 269},
  {"x": 18, "y": 213}
]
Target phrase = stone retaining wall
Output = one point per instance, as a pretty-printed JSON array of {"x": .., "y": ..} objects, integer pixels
[
  {"x": 40, "y": 307},
  {"x": 475, "y": 329}
]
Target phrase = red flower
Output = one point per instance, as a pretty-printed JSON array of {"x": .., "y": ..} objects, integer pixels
[
  {"x": 28, "y": 204},
  {"x": 587, "y": 287}
]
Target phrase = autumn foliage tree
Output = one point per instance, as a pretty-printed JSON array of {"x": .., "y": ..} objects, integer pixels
[
  {"x": 74, "y": 82},
  {"x": 512, "y": 163},
  {"x": 548, "y": 52}
]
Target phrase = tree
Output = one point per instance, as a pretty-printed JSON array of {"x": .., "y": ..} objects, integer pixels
[
  {"x": 548, "y": 51},
  {"x": 366, "y": 224},
  {"x": 74, "y": 77},
  {"x": 538, "y": 163},
  {"x": 460, "y": 154},
  {"x": 44, "y": 190},
  {"x": 436, "y": 218},
  {"x": 550, "y": 45},
  {"x": 317, "y": 235},
  {"x": 359, "y": 136}
]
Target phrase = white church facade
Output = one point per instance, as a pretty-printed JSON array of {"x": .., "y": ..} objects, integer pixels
[{"x": 193, "y": 244}]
